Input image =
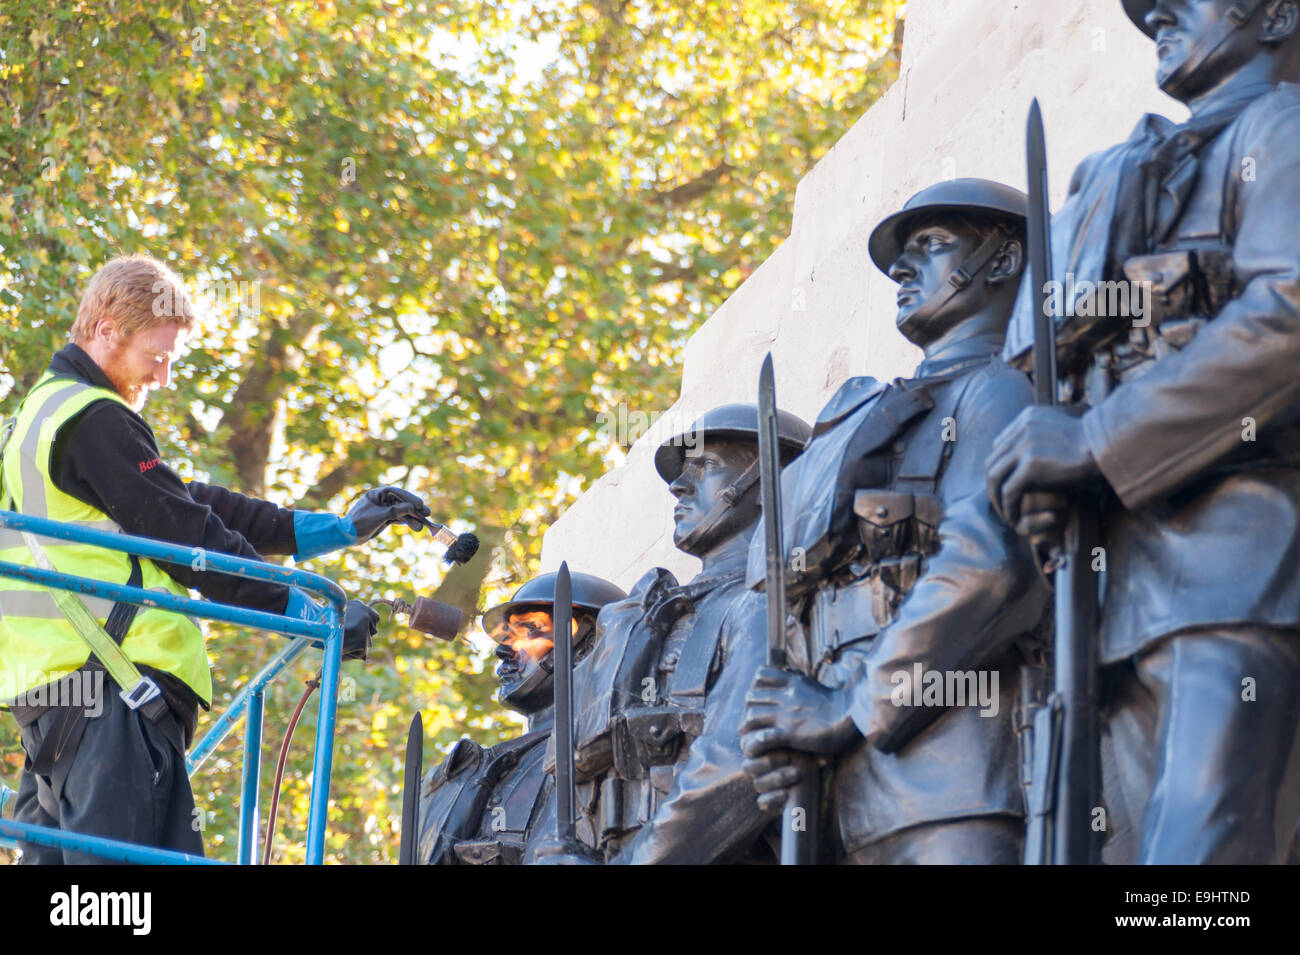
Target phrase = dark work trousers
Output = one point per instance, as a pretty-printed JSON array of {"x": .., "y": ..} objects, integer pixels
[
  {"x": 126, "y": 782},
  {"x": 982, "y": 840},
  {"x": 1201, "y": 749}
]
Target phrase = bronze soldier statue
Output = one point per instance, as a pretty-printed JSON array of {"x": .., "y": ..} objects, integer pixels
[
  {"x": 1192, "y": 439},
  {"x": 480, "y": 806},
  {"x": 660, "y": 700},
  {"x": 919, "y": 604}
]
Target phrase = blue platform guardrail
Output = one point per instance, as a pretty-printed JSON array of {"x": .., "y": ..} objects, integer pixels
[{"x": 248, "y": 704}]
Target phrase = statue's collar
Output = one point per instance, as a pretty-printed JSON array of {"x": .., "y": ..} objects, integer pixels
[
  {"x": 727, "y": 566},
  {"x": 1210, "y": 116},
  {"x": 542, "y": 721},
  {"x": 1230, "y": 100},
  {"x": 960, "y": 355}
]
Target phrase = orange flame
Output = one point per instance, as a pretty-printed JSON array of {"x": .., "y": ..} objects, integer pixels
[{"x": 531, "y": 633}]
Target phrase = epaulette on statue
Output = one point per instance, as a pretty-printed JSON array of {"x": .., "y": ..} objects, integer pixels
[
  {"x": 849, "y": 396},
  {"x": 465, "y": 756}
]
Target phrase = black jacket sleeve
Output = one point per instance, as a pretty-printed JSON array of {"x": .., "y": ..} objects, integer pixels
[
  {"x": 107, "y": 456},
  {"x": 268, "y": 527}
]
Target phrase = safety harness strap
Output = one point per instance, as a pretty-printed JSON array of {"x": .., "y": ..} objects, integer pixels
[{"x": 137, "y": 690}]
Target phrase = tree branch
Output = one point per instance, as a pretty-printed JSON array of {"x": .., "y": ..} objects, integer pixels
[
  {"x": 353, "y": 471},
  {"x": 690, "y": 191}
]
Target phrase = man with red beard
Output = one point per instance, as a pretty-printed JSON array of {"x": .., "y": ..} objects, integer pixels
[{"x": 78, "y": 451}]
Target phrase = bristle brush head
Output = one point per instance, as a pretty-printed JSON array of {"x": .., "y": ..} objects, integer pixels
[{"x": 462, "y": 550}]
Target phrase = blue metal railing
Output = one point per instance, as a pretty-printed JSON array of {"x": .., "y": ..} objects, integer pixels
[{"x": 248, "y": 704}]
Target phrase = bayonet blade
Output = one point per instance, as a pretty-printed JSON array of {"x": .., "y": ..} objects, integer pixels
[
  {"x": 769, "y": 472},
  {"x": 412, "y": 772},
  {"x": 562, "y": 620},
  {"x": 1040, "y": 260},
  {"x": 799, "y": 818}
]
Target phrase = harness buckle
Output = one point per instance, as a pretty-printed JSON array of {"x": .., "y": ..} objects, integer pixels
[{"x": 141, "y": 693}]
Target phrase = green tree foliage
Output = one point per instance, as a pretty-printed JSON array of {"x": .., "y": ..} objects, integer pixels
[{"x": 435, "y": 240}]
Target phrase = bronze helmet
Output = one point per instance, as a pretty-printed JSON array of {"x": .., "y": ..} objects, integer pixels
[{"x": 974, "y": 197}]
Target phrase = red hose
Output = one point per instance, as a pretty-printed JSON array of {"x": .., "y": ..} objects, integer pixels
[{"x": 312, "y": 684}]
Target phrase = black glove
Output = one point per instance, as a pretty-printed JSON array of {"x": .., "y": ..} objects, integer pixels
[
  {"x": 360, "y": 623},
  {"x": 381, "y": 506}
]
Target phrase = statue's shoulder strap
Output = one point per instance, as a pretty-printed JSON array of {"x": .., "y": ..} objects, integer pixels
[
  {"x": 850, "y": 396},
  {"x": 528, "y": 782},
  {"x": 512, "y": 750},
  {"x": 929, "y": 446},
  {"x": 465, "y": 757},
  {"x": 695, "y": 665}
]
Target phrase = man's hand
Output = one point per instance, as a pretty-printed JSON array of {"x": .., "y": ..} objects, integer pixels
[
  {"x": 381, "y": 506},
  {"x": 1041, "y": 450},
  {"x": 360, "y": 623}
]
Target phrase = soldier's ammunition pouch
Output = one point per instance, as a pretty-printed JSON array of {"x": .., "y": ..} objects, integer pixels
[
  {"x": 1180, "y": 289},
  {"x": 899, "y": 530},
  {"x": 628, "y": 804},
  {"x": 625, "y": 805},
  {"x": 501, "y": 851},
  {"x": 1182, "y": 282},
  {"x": 648, "y": 736},
  {"x": 895, "y": 577},
  {"x": 894, "y": 523},
  {"x": 840, "y": 615},
  {"x": 613, "y": 809},
  {"x": 858, "y": 609}
]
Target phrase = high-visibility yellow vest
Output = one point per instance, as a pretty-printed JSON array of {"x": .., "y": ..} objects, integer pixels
[{"x": 37, "y": 643}]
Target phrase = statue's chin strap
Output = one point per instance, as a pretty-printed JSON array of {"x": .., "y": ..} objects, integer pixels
[
  {"x": 728, "y": 499},
  {"x": 520, "y": 693},
  {"x": 1234, "y": 18},
  {"x": 961, "y": 279}
]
